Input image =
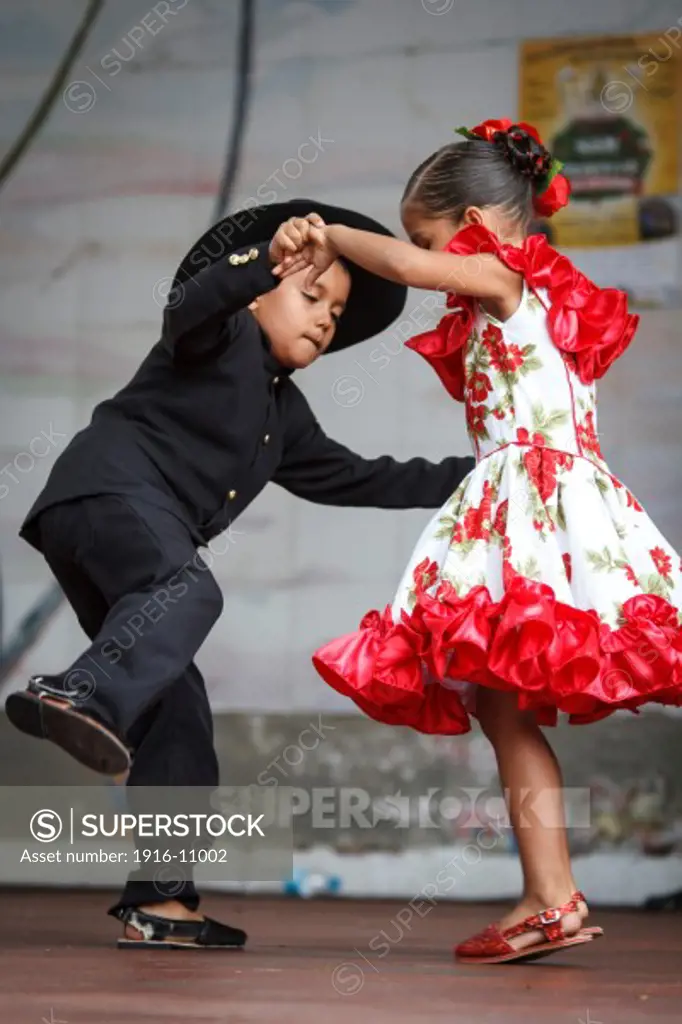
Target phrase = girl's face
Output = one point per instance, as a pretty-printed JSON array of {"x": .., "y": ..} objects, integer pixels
[
  {"x": 300, "y": 322},
  {"x": 429, "y": 232},
  {"x": 424, "y": 230}
]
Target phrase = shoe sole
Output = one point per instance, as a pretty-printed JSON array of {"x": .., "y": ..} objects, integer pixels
[
  {"x": 531, "y": 952},
  {"x": 84, "y": 739},
  {"x": 151, "y": 944}
]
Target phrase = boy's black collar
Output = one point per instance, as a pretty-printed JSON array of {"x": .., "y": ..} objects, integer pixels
[{"x": 272, "y": 365}]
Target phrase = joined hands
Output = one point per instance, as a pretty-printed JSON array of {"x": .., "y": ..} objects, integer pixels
[{"x": 302, "y": 242}]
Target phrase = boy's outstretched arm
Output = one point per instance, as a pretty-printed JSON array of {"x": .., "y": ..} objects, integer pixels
[{"x": 321, "y": 470}]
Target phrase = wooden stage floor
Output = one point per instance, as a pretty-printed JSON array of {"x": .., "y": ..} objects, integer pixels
[{"x": 326, "y": 961}]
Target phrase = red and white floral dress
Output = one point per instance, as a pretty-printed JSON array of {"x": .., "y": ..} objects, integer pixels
[{"x": 542, "y": 575}]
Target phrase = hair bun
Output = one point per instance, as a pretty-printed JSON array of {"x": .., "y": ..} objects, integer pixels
[{"x": 524, "y": 153}]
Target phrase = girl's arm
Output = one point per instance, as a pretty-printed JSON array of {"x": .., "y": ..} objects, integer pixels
[{"x": 482, "y": 274}]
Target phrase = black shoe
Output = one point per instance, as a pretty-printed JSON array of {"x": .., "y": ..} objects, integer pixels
[
  {"x": 165, "y": 933},
  {"x": 82, "y": 734}
]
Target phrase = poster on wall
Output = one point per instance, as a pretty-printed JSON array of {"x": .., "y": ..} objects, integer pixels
[{"x": 609, "y": 108}]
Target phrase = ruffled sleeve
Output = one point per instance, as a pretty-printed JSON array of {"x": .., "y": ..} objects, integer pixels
[
  {"x": 591, "y": 325},
  {"x": 444, "y": 347}
]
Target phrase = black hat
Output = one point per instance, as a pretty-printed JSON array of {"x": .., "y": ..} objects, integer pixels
[{"x": 373, "y": 303}]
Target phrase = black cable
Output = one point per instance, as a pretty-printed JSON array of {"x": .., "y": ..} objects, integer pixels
[
  {"x": 38, "y": 617},
  {"x": 29, "y": 629},
  {"x": 242, "y": 95},
  {"x": 47, "y": 102}
]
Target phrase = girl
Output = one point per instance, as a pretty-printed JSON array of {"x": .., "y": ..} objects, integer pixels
[{"x": 541, "y": 586}]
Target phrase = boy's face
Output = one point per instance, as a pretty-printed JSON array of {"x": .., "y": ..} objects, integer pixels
[{"x": 300, "y": 322}]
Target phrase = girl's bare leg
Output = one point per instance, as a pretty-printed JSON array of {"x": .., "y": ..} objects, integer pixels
[{"x": 530, "y": 775}]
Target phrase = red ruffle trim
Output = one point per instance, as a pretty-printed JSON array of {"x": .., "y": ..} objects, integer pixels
[
  {"x": 588, "y": 323},
  {"x": 555, "y": 657}
]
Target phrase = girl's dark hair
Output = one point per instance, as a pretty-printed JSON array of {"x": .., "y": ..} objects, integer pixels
[{"x": 479, "y": 173}]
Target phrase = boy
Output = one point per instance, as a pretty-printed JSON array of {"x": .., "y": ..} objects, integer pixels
[{"x": 211, "y": 416}]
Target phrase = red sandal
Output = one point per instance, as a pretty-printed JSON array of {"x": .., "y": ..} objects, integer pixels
[
  {"x": 592, "y": 930},
  {"x": 492, "y": 946}
]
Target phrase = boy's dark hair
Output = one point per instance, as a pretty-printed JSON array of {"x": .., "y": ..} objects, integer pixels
[{"x": 479, "y": 173}]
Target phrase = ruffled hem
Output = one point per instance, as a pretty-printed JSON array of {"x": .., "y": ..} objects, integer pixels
[
  {"x": 555, "y": 657},
  {"x": 590, "y": 325}
]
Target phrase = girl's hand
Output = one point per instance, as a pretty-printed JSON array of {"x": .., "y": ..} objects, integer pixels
[
  {"x": 323, "y": 254},
  {"x": 294, "y": 242},
  {"x": 318, "y": 253}
]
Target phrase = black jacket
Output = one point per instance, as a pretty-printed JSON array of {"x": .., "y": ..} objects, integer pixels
[{"x": 210, "y": 418}]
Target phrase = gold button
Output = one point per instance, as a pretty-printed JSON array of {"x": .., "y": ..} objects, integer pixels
[
  {"x": 234, "y": 259},
  {"x": 232, "y": 495},
  {"x": 253, "y": 254},
  {"x": 276, "y": 380},
  {"x": 266, "y": 439}
]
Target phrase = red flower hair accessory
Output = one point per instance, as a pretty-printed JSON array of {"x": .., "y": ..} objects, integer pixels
[{"x": 551, "y": 190}]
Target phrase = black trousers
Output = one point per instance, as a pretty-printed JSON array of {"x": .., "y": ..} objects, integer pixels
[{"x": 146, "y": 600}]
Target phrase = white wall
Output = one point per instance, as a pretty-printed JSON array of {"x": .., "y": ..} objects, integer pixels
[{"x": 109, "y": 200}]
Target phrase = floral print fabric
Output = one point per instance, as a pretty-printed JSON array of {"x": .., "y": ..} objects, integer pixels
[{"x": 543, "y": 574}]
